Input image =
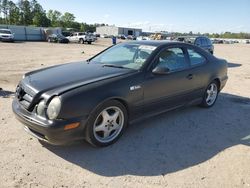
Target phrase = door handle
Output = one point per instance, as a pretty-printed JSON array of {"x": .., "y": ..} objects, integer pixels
[{"x": 190, "y": 76}]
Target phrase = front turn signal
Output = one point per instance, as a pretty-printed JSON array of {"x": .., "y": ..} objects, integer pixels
[{"x": 71, "y": 126}]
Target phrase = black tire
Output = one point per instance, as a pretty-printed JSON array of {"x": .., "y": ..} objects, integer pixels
[
  {"x": 91, "y": 136},
  {"x": 205, "y": 103},
  {"x": 89, "y": 42},
  {"x": 81, "y": 41}
]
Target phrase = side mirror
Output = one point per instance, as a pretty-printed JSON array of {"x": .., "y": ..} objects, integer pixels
[{"x": 161, "y": 70}]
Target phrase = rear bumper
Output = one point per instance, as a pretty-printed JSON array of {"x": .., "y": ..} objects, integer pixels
[{"x": 47, "y": 130}]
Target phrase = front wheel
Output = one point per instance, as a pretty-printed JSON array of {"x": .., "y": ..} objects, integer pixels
[
  {"x": 106, "y": 124},
  {"x": 210, "y": 95},
  {"x": 81, "y": 41}
]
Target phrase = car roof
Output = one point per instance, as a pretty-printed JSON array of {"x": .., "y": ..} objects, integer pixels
[
  {"x": 192, "y": 36},
  {"x": 155, "y": 43}
]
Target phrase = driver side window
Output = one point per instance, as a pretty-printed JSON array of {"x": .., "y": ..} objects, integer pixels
[{"x": 173, "y": 59}]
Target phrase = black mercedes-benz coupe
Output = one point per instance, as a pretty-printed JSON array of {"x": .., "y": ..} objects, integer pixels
[
  {"x": 57, "y": 38},
  {"x": 96, "y": 99}
]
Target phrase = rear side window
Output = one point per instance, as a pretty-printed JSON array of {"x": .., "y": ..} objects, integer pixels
[
  {"x": 204, "y": 41},
  {"x": 196, "y": 58},
  {"x": 173, "y": 58}
]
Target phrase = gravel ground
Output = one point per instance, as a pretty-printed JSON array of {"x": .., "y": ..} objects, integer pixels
[{"x": 191, "y": 147}]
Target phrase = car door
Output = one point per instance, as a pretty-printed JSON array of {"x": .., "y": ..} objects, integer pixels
[
  {"x": 200, "y": 71},
  {"x": 209, "y": 45},
  {"x": 71, "y": 38},
  {"x": 197, "y": 42},
  {"x": 204, "y": 44},
  {"x": 171, "y": 90},
  {"x": 74, "y": 37}
]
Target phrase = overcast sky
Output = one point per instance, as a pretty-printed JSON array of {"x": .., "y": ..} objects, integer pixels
[{"x": 157, "y": 15}]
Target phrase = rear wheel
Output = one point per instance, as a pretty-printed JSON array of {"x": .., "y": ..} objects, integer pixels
[
  {"x": 210, "y": 95},
  {"x": 106, "y": 124},
  {"x": 89, "y": 42}
]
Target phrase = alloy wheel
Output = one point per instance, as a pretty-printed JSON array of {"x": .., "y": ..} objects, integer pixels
[
  {"x": 108, "y": 124},
  {"x": 212, "y": 92}
]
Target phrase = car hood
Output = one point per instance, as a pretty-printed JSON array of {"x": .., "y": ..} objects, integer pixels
[{"x": 65, "y": 77}]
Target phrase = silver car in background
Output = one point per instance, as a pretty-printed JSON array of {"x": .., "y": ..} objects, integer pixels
[{"x": 6, "y": 35}]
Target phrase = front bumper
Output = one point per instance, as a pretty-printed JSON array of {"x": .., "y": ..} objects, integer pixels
[
  {"x": 50, "y": 131},
  {"x": 7, "y": 39},
  {"x": 90, "y": 40}
]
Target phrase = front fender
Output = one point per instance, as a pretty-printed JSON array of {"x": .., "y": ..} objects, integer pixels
[{"x": 82, "y": 101}]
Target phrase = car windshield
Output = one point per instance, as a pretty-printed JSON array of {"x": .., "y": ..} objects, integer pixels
[
  {"x": 60, "y": 36},
  {"x": 132, "y": 56},
  {"x": 5, "y": 31}
]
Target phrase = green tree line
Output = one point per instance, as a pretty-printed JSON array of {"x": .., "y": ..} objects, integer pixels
[
  {"x": 231, "y": 35},
  {"x": 225, "y": 35},
  {"x": 31, "y": 13}
]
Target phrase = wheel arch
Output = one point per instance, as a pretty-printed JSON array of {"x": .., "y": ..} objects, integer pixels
[
  {"x": 217, "y": 80},
  {"x": 119, "y": 99}
]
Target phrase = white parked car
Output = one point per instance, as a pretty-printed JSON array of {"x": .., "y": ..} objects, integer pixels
[
  {"x": 81, "y": 37},
  {"x": 142, "y": 38},
  {"x": 6, "y": 35}
]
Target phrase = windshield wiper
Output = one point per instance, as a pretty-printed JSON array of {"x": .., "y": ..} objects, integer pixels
[{"x": 116, "y": 66}]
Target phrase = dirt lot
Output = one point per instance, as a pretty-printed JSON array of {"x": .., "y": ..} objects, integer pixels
[{"x": 192, "y": 147}]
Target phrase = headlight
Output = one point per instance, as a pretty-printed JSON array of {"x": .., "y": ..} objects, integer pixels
[
  {"x": 40, "y": 110},
  {"x": 54, "y": 108}
]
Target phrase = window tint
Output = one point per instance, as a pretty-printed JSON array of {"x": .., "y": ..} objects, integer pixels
[
  {"x": 204, "y": 41},
  {"x": 130, "y": 55},
  {"x": 5, "y": 31},
  {"x": 173, "y": 58},
  {"x": 209, "y": 42},
  {"x": 195, "y": 58},
  {"x": 118, "y": 54},
  {"x": 198, "y": 41}
]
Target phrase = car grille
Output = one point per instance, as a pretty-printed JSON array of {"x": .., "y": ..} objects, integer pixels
[{"x": 24, "y": 96}]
